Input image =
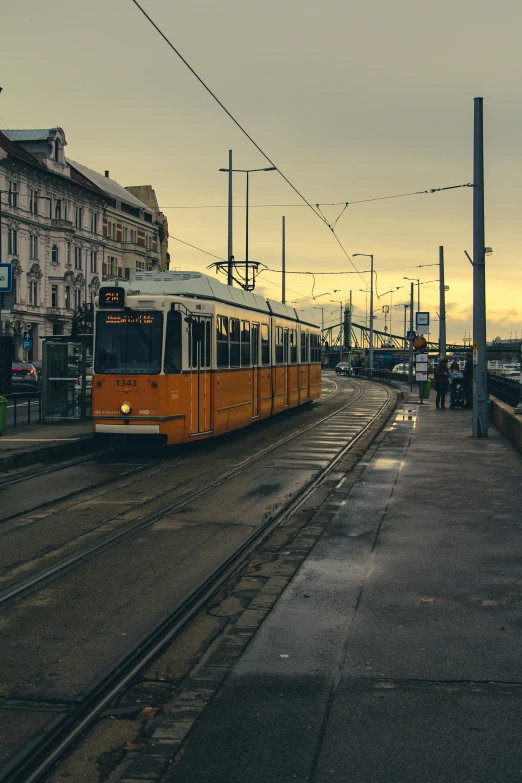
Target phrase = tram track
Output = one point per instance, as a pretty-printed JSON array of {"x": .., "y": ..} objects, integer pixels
[
  {"x": 46, "y": 575},
  {"x": 35, "y": 760},
  {"x": 29, "y": 477}
]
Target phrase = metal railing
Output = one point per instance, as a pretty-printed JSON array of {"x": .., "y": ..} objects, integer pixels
[
  {"x": 28, "y": 397},
  {"x": 506, "y": 389}
]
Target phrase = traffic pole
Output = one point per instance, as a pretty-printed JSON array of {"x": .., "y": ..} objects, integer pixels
[
  {"x": 230, "y": 279},
  {"x": 480, "y": 380}
]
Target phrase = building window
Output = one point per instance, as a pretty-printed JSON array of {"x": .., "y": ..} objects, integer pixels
[
  {"x": 58, "y": 209},
  {"x": 54, "y": 296},
  {"x": 94, "y": 261},
  {"x": 77, "y": 258},
  {"x": 12, "y": 198},
  {"x": 68, "y": 297},
  {"x": 94, "y": 222},
  {"x": 33, "y": 202},
  {"x": 126, "y": 273},
  {"x": 65, "y": 210},
  {"x": 57, "y": 150},
  {"x": 33, "y": 293},
  {"x": 68, "y": 253},
  {"x": 77, "y": 298},
  {"x": 54, "y": 254},
  {"x": 12, "y": 242},
  {"x": 79, "y": 217},
  {"x": 33, "y": 246}
]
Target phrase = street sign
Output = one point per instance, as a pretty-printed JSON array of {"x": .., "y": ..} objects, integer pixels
[
  {"x": 422, "y": 320},
  {"x": 27, "y": 345},
  {"x": 410, "y": 335},
  {"x": 28, "y": 327},
  {"x": 6, "y": 278}
]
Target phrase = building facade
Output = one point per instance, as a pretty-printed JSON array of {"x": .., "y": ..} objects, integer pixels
[
  {"x": 51, "y": 232},
  {"x": 132, "y": 230},
  {"x": 64, "y": 228}
]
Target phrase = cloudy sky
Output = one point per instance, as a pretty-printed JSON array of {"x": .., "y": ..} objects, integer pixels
[{"x": 352, "y": 101}]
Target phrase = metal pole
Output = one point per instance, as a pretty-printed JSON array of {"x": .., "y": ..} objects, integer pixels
[
  {"x": 442, "y": 305},
  {"x": 229, "y": 256},
  {"x": 283, "y": 264},
  {"x": 405, "y": 342},
  {"x": 410, "y": 369},
  {"x": 418, "y": 296},
  {"x": 370, "y": 354},
  {"x": 246, "y": 235},
  {"x": 341, "y": 333},
  {"x": 480, "y": 382},
  {"x": 350, "y": 333}
]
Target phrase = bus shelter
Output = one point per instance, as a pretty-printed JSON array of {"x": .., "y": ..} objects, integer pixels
[{"x": 66, "y": 362}]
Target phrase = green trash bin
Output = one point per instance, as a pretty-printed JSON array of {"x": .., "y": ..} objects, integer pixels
[
  {"x": 3, "y": 411},
  {"x": 427, "y": 389}
]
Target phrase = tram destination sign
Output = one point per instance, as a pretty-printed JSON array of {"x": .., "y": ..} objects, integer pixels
[{"x": 113, "y": 297}]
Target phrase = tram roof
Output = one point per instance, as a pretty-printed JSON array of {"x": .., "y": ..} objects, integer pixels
[{"x": 199, "y": 286}]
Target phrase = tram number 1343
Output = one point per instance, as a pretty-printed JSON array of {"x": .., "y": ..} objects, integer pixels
[{"x": 123, "y": 382}]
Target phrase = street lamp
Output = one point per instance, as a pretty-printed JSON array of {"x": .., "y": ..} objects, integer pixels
[
  {"x": 247, "y": 172},
  {"x": 370, "y": 353},
  {"x": 416, "y": 280}
]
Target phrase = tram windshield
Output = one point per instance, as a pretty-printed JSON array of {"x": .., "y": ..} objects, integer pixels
[{"x": 128, "y": 342}]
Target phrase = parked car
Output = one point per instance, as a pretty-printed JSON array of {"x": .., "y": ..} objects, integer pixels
[
  {"x": 401, "y": 368},
  {"x": 24, "y": 374},
  {"x": 343, "y": 368}
]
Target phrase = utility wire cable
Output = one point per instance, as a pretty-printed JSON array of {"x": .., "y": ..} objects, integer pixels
[{"x": 214, "y": 96}]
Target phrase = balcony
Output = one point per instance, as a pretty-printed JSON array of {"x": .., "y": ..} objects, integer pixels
[
  {"x": 59, "y": 312},
  {"x": 65, "y": 225}
]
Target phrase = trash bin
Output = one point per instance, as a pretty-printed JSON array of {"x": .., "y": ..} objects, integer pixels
[
  {"x": 3, "y": 411},
  {"x": 427, "y": 389}
]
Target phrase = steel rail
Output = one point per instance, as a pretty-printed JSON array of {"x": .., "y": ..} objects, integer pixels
[
  {"x": 29, "y": 766},
  {"x": 45, "y": 575}
]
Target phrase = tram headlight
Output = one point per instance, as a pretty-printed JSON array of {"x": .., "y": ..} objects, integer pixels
[{"x": 125, "y": 408}]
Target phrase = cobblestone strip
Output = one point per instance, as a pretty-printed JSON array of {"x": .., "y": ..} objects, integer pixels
[{"x": 273, "y": 567}]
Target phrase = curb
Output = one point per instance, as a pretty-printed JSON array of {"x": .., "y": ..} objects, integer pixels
[{"x": 30, "y": 456}]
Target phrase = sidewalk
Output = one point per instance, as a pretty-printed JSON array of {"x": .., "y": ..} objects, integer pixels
[
  {"x": 32, "y": 443},
  {"x": 394, "y": 655}
]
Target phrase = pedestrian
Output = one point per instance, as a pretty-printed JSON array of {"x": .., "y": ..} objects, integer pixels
[
  {"x": 441, "y": 382},
  {"x": 468, "y": 380}
]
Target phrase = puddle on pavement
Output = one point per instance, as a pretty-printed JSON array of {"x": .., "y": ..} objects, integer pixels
[{"x": 406, "y": 415}]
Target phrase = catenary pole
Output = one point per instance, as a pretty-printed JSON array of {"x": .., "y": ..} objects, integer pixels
[
  {"x": 480, "y": 385},
  {"x": 229, "y": 256},
  {"x": 350, "y": 332},
  {"x": 370, "y": 353},
  {"x": 283, "y": 263},
  {"x": 341, "y": 333},
  {"x": 442, "y": 305},
  {"x": 410, "y": 368}
]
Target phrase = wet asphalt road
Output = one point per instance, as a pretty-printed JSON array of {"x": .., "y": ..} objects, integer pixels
[{"x": 59, "y": 639}]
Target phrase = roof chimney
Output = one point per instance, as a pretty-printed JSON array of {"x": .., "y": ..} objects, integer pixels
[{"x": 106, "y": 173}]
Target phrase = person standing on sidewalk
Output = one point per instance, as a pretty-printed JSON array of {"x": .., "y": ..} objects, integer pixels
[
  {"x": 468, "y": 380},
  {"x": 441, "y": 374}
]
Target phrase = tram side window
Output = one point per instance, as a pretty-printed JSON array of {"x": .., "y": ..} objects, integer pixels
[
  {"x": 303, "y": 348},
  {"x": 234, "y": 342},
  {"x": 279, "y": 345},
  {"x": 255, "y": 345},
  {"x": 222, "y": 341},
  {"x": 172, "y": 361},
  {"x": 314, "y": 342},
  {"x": 293, "y": 346},
  {"x": 245, "y": 343},
  {"x": 265, "y": 345},
  {"x": 307, "y": 348}
]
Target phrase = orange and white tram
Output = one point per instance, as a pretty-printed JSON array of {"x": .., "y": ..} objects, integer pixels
[{"x": 183, "y": 356}]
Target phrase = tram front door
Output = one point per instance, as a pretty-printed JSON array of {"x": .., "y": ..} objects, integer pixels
[{"x": 200, "y": 331}]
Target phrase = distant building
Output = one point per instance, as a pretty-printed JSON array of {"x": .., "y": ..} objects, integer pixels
[
  {"x": 146, "y": 194},
  {"x": 131, "y": 229},
  {"x": 51, "y": 231}
]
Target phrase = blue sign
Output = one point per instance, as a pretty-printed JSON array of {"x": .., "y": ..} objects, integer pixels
[
  {"x": 6, "y": 278},
  {"x": 422, "y": 320},
  {"x": 27, "y": 345},
  {"x": 411, "y": 335}
]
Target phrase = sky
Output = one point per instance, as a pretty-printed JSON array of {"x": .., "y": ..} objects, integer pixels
[{"x": 351, "y": 101}]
